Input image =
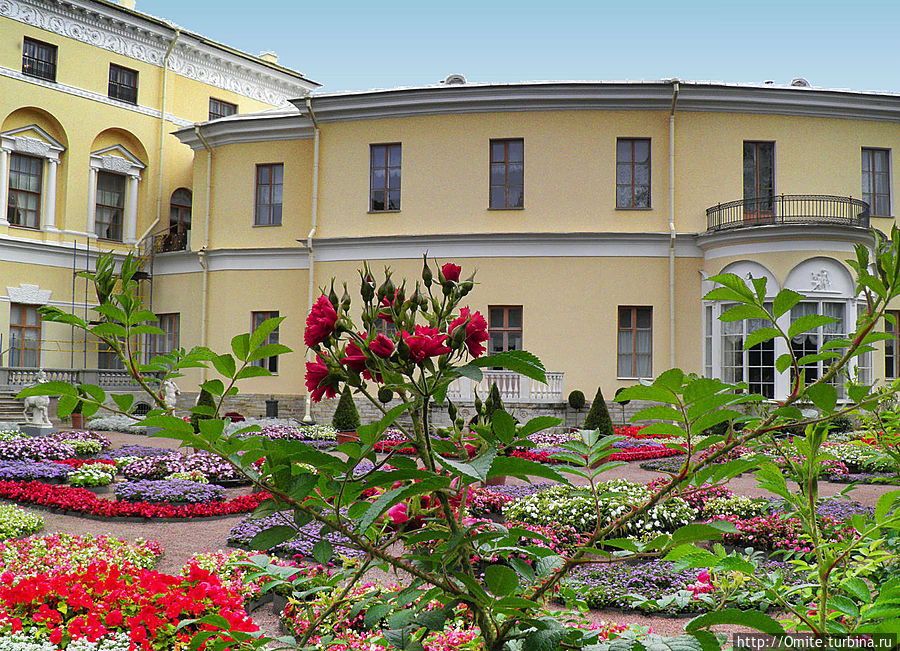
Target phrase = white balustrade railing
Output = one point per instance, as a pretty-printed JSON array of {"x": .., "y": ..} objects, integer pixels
[
  {"x": 22, "y": 377},
  {"x": 512, "y": 386}
]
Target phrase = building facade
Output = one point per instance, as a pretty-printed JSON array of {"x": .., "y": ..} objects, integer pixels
[{"x": 594, "y": 212}]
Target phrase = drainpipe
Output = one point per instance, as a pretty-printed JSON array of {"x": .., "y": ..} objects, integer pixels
[
  {"x": 314, "y": 213},
  {"x": 675, "y": 83},
  {"x": 162, "y": 135},
  {"x": 202, "y": 253}
]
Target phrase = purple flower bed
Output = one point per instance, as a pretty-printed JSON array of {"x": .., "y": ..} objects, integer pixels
[
  {"x": 134, "y": 451},
  {"x": 518, "y": 492},
  {"x": 158, "y": 467},
  {"x": 169, "y": 490},
  {"x": 319, "y": 445},
  {"x": 38, "y": 448},
  {"x": 863, "y": 478},
  {"x": 82, "y": 435},
  {"x": 32, "y": 471},
  {"x": 843, "y": 510},
  {"x": 609, "y": 585},
  {"x": 637, "y": 443},
  {"x": 299, "y": 546}
]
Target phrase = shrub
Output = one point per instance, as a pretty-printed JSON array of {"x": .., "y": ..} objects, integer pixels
[
  {"x": 576, "y": 400},
  {"x": 205, "y": 399},
  {"x": 346, "y": 418},
  {"x": 841, "y": 424},
  {"x": 598, "y": 416}
]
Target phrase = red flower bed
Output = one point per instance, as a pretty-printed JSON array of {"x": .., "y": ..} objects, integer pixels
[
  {"x": 77, "y": 463},
  {"x": 84, "y": 501},
  {"x": 102, "y": 598},
  {"x": 626, "y": 454}
]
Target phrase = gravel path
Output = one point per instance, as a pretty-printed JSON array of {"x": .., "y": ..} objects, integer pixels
[{"x": 181, "y": 540}]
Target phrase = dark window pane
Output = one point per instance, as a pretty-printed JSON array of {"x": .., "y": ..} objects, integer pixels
[
  {"x": 644, "y": 317},
  {"x": 516, "y": 174},
  {"x": 394, "y": 200},
  {"x": 641, "y": 150},
  {"x": 378, "y": 200},
  {"x": 498, "y": 197},
  {"x": 515, "y": 151},
  {"x": 623, "y": 151},
  {"x": 514, "y": 317},
  {"x": 625, "y": 319},
  {"x": 394, "y": 155},
  {"x": 498, "y": 152},
  {"x": 498, "y": 173},
  {"x": 497, "y": 317},
  {"x": 515, "y": 197}
]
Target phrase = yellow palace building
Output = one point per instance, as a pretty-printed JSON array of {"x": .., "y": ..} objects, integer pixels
[{"x": 594, "y": 212}]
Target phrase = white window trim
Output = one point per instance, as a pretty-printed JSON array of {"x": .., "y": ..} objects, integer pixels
[
  {"x": 117, "y": 160},
  {"x": 46, "y": 147}
]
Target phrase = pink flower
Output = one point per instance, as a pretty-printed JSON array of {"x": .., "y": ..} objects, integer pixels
[
  {"x": 476, "y": 330},
  {"x": 320, "y": 322},
  {"x": 382, "y": 346},
  {"x": 451, "y": 272},
  {"x": 703, "y": 576},
  {"x": 317, "y": 382},
  {"x": 427, "y": 342},
  {"x": 354, "y": 358},
  {"x": 398, "y": 513}
]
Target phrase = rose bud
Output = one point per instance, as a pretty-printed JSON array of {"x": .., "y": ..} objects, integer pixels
[
  {"x": 366, "y": 290},
  {"x": 332, "y": 296},
  {"x": 451, "y": 410},
  {"x": 426, "y": 272},
  {"x": 345, "y": 299}
]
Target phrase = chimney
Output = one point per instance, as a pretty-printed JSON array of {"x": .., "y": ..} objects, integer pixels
[{"x": 268, "y": 57}]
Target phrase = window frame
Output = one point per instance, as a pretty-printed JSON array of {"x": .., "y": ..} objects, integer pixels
[
  {"x": 893, "y": 371},
  {"x": 634, "y": 164},
  {"x": 170, "y": 324},
  {"x": 120, "y": 209},
  {"x": 215, "y": 115},
  {"x": 118, "y": 88},
  {"x": 870, "y": 192},
  {"x": 506, "y": 162},
  {"x": 505, "y": 329},
  {"x": 257, "y": 317},
  {"x": 34, "y": 69},
  {"x": 271, "y": 184},
  {"x": 21, "y": 325},
  {"x": 386, "y": 167},
  {"x": 11, "y": 191},
  {"x": 764, "y": 208},
  {"x": 634, "y": 329}
]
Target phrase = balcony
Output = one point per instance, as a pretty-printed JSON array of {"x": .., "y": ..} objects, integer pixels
[
  {"x": 171, "y": 241},
  {"x": 788, "y": 209},
  {"x": 512, "y": 386},
  {"x": 19, "y": 378}
]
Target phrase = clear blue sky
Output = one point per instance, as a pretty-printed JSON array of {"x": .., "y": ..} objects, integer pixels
[{"x": 354, "y": 45}]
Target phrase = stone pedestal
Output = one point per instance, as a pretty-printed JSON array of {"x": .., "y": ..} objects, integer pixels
[{"x": 31, "y": 429}]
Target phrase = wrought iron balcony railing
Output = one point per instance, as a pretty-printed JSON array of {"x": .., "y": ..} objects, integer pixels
[
  {"x": 168, "y": 242},
  {"x": 788, "y": 209}
]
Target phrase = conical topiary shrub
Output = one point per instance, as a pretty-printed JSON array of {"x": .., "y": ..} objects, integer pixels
[
  {"x": 205, "y": 399},
  {"x": 346, "y": 418},
  {"x": 598, "y": 416}
]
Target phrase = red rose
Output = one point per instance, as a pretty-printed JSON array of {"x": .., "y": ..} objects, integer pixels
[
  {"x": 476, "y": 330},
  {"x": 354, "y": 358},
  {"x": 382, "y": 346},
  {"x": 398, "y": 513},
  {"x": 320, "y": 322},
  {"x": 451, "y": 272},
  {"x": 427, "y": 342},
  {"x": 317, "y": 373}
]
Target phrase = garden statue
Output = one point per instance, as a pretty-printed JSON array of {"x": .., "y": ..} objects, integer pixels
[
  {"x": 170, "y": 393},
  {"x": 36, "y": 411}
]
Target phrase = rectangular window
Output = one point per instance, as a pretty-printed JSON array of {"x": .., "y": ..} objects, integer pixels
[
  {"x": 708, "y": 341},
  {"x": 24, "y": 336},
  {"x": 107, "y": 358},
  {"x": 384, "y": 177},
  {"x": 39, "y": 59},
  {"x": 220, "y": 109},
  {"x": 507, "y": 173},
  {"x": 876, "y": 181},
  {"x": 386, "y": 328},
  {"x": 810, "y": 343},
  {"x": 123, "y": 83},
  {"x": 24, "y": 203},
  {"x": 635, "y": 342},
  {"x": 270, "y": 363},
  {"x": 892, "y": 345},
  {"x": 755, "y": 366},
  {"x": 505, "y": 328},
  {"x": 269, "y": 184},
  {"x": 759, "y": 180},
  {"x": 110, "y": 206},
  {"x": 633, "y": 173},
  {"x": 165, "y": 343}
]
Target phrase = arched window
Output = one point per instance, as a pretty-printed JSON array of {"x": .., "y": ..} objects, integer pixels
[{"x": 178, "y": 237}]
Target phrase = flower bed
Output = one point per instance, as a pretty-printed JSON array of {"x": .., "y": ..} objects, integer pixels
[
  {"x": 169, "y": 490},
  {"x": 284, "y": 429},
  {"x": 80, "y": 500},
  {"x": 626, "y": 454},
  {"x": 300, "y": 546},
  {"x": 562, "y": 505},
  {"x": 39, "y": 555},
  {"x": 232, "y": 569},
  {"x": 93, "y": 474},
  {"x": 100, "y": 599},
  {"x": 32, "y": 471},
  {"x": 10, "y": 435},
  {"x": 157, "y": 467},
  {"x": 16, "y": 522}
]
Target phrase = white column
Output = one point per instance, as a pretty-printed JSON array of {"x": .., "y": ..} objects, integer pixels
[
  {"x": 92, "y": 201},
  {"x": 131, "y": 209},
  {"x": 4, "y": 185},
  {"x": 49, "y": 219}
]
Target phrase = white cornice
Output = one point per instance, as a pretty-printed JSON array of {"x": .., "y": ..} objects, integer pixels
[
  {"x": 86, "y": 94},
  {"x": 44, "y": 254},
  {"x": 254, "y": 127},
  {"x": 622, "y": 96},
  {"x": 775, "y": 239},
  {"x": 145, "y": 39}
]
